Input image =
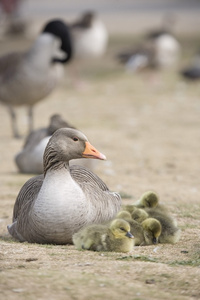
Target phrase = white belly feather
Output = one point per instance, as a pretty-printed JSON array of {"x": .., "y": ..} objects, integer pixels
[{"x": 61, "y": 207}]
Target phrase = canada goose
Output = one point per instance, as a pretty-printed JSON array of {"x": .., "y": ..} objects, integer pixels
[
  {"x": 170, "y": 231},
  {"x": 152, "y": 230},
  {"x": 115, "y": 237},
  {"x": 135, "y": 227},
  {"x": 89, "y": 36},
  {"x": 27, "y": 78},
  {"x": 148, "y": 199},
  {"x": 50, "y": 208},
  {"x": 30, "y": 158}
]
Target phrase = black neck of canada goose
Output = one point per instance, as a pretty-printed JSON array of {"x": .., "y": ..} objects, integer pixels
[{"x": 61, "y": 30}]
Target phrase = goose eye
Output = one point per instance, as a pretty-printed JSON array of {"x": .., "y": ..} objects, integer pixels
[
  {"x": 75, "y": 139},
  {"x": 121, "y": 228}
]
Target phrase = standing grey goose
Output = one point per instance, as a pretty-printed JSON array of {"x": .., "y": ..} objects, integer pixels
[
  {"x": 30, "y": 158},
  {"x": 50, "y": 208},
  {"x": 27, "y": 78}
]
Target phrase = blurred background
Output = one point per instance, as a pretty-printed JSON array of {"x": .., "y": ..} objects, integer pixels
[{"x": 128, "y": 16}]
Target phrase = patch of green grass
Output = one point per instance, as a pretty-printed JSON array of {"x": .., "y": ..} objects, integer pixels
[
  {"x": 138, "y": 257},
  {"x": 192, "y": 263}
]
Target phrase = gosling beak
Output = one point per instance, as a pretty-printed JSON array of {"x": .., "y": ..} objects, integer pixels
[
  {"x": 129, "y": 235},
  {"x": 155, "y": 241},
  {"x": 91, "y": 152}
]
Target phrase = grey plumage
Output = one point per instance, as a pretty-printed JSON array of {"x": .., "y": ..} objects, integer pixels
[
  {"x": 50, "y": 208},
  {"x": 27, "y": 78},
  {"x": 30, "y": 158}
]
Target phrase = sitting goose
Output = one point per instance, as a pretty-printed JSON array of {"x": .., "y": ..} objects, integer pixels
[
  {"x": 30, "y": 158},
  {"x": 27, "y": 78},
  {"x": 50, "y": 208}
]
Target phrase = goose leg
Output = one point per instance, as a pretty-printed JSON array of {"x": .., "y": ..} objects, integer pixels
[
  {"x": 13, "y": 122},
  {"x": 30, "y": 118}
]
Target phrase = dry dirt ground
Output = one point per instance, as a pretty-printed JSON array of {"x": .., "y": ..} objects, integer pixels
[{"x": 148, "y": 126}]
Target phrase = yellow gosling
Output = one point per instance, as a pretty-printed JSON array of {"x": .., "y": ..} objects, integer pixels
[{"x": 97, "y": 237}]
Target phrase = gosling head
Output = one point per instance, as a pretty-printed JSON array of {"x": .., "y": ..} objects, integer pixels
[
  {"x": 121, "y": 229},
  {"x": 149, "y": 199},
  {"x": 130, "y": 208},
  {"x": 152, "y": 230},
  {"x": 123, "y": 214},
  {"x": 139, "y": 215}
]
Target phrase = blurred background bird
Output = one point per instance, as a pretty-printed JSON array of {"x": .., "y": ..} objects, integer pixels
[
  {"x": 28, "y": 77},
  {"x": 30, "y": 158},
  {"x": 192, "y": 71}
]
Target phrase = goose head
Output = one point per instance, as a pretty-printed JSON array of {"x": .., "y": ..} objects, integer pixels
[
  {"x": 152, "y": 230},
  {"x": 121, "y": 229},
  {"x": 139, "y": 215},
  {"x": 66, "y": 144},
  {"x": 56, "y": 122},
  {"x": 149, "y": 199},
  {"x": 123, "y": 214},
  {"x": 60, "y": 30},
  {"x": 85, "y": 20}
]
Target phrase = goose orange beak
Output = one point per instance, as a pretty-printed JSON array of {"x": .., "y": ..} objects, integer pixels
[{"x": 91, "y": 152}]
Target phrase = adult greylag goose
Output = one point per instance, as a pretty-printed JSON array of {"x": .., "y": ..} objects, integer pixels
[
  {"x": 30, "y": 158},
  {"x": 27, "y": 78},
  {"x": 50, "y": 208}
]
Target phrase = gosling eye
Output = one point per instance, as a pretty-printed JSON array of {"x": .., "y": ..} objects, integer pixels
[
  {"x": 122, "y": 229},
  {"x": 75, "y": 139}
]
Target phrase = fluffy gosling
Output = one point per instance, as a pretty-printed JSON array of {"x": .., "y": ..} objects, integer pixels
[
  {"x": 170, "y": 232},
  {"x": 139, "y": 215},
  {"x": 148, "y": 199},
  {"x": 135, "y": 228},
  {"x": 152, "y": 230},
  {"x": 97, "y": 237}
]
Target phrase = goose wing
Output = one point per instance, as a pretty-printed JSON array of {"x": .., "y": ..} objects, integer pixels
[
  {"x": 9, "y": 64},
  {"x": 27, "y": 196},
  {"x": 104, "y": 204}
]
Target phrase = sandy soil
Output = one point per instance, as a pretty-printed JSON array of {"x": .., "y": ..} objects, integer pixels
[{"x": 148, "y": 127}]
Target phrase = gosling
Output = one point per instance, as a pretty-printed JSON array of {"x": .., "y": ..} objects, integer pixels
[
  {"x": 170, "y": 232},
  {"x": 135, "y": 228},
  {"x": 152, "y": 230},
  {"x": 97, "y": 237},
  {"x": 139, "y": 215},
  {"x": 148, "y": 199}
]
